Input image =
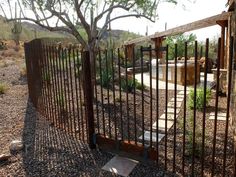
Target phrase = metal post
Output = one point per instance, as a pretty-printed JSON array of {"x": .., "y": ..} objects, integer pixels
[{"x": 88, "y": 93}]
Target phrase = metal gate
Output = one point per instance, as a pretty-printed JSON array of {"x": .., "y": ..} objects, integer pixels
[{"x": 173, "y": 111}]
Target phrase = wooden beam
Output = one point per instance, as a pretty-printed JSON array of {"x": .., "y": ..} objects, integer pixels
[{"x": 210, "y": 21}]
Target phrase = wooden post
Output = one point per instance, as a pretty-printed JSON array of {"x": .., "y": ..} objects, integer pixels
[
  {"x": 158, "y": 43},
  {"x": 223, "y": 24},
  {"x": 88, "y": 94},
  {"x": 130, "y": 54}
]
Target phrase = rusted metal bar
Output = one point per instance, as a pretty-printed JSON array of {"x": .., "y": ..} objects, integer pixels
[
  {"x": 65, "y": 91},
  {"x": 127, "y": 95},
  {"x": 134, "y": 98},
  {"x": 77, "y": 74},
  {"x": 88, "y": 90},
  {"x": 96, "y": 96},
  {"x": 194, "y": 107},
  {"x": 72, "y": 90},
  {"x": 175, "y": 112},
  {"x": 67, "y": 58},
  {"x": 113, "y": 92},
  {"x": 142, "y": 70},
  {"x": 101, "y": 88},
  {"x": 157, "y": 102},
  {"x": 62, "y": 95},
  {"x": 204, "y": 108},
  {"x": 216, "y": 107},
  {"x": 121, "y": 114},
  {"x": 58, "y": 86},
  {"x": 166, "y": 106},
  {"x": 228, "y": 101},
  {"x": 185, "y": 100},
  {"x": 55, "y": 93},
  {"x": 108, "y": 93},
  {"x": 150, "y": 80},
  {"x": 80, "y": 98}
]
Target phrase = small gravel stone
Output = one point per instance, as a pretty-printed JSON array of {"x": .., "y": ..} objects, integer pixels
[{"x": 4, "y": 157}]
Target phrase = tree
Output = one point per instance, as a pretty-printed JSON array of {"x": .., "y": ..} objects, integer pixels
[
  {"x": 66, "y": 15},
  {"x": 180, "y": 41}
]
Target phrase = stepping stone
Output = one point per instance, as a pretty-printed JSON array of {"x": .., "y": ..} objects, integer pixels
[
  {"x": 120, "y": 165},
  {"x": 177, "y": 99},
  {"x": 179, "y": 96},
  {"x": 220, "y": 116},
  {"x": 169, "y": 116},
  {"x": 154, "y": 138},
  {"x": 161, "y": 125},
  {"x": 172, "y": 110},
  {"x": 182, "y": 92},
  {"x": 171, "y": 104}
]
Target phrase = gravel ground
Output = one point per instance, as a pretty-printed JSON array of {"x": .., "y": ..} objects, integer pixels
[{"x": 48, "y": 151}]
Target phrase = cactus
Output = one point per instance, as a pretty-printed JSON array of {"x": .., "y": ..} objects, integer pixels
[{"x": 17, "y": 28}]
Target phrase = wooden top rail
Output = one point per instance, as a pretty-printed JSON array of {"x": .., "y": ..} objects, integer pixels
[{"x": 210, "y": 21}]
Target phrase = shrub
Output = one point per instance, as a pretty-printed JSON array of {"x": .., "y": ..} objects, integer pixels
[
  {"x": 106, "y": 78},
  {"x": 131, "y": 84},
  {"x": 127, "y": 86},
  {"x": 199, "y": 98},
  {"x": 3, "y": 88},
  {"x": 189, "y": 137}
]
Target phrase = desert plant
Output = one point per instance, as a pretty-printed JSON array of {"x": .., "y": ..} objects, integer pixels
[
  {"x": 189, "y": 138},
  {"x": 127, "y": 86},
  {"x": 106, "y": 78},
  {"x": 131, "y": 84},
  {"x": 199, "y": 98},
  {"x": 3, "y": 88}
]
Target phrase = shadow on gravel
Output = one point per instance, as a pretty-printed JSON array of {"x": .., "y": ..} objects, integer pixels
[{"x": 52, "y": 152}]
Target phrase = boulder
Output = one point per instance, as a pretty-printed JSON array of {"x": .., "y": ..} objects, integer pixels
[{"x": 16, "y": 145}]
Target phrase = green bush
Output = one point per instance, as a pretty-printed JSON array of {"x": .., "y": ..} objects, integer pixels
[
  {"x": 199, "y": 98},
  {"x": 3, "y": 88},
  {"x": 189, "y": 138},
  {"x": 131, "y": 84},
  {"x": 106, "y": 78}
]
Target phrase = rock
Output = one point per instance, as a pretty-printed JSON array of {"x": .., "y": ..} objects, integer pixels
[
  {"x": 4, "y": 157},
  {"x": 16, "y": 145}
]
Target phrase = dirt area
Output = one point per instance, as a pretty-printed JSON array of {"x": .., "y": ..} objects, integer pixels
[{"x": 208, "y": 138}]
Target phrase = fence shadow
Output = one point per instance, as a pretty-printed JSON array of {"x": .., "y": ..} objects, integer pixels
[{"x": 52, "y": 152}]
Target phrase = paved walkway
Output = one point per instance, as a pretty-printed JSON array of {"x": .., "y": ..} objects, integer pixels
[{"x": 161, "y": 121}]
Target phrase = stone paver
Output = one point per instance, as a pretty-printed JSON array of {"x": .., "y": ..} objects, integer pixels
[
  {"x": 120, "y": 165},
  {"x": 154, "y": 138},
  {"x": 220, "y": 116},
  {"x": 161, "y": 124},
  {"x": 171, "y": 104}
]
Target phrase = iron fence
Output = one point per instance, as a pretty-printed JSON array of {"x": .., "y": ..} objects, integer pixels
[{"x": 170, "y": 111}]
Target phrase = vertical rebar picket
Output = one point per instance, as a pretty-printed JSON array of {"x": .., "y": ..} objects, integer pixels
[
  {"x": 150, "y": 79},
  {"x": 142, "y": 70},
  {"x": 195, "y": 106},
  {"x": 204, "y": 107},
  {"x": 175, "y": 111},
  {"x": 166, "y": 106},
  {"x": 216, "y": 107}
]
